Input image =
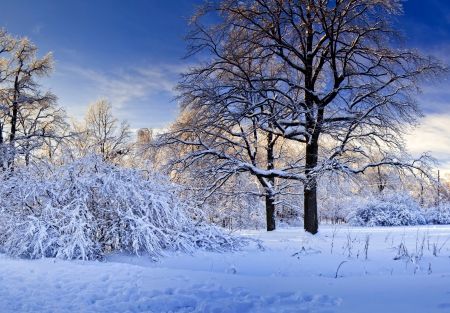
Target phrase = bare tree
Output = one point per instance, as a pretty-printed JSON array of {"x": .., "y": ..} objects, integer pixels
[
  {"x": 335, "y": 73},
  {"x": 102, "y": 133},
  {"x": 217, "y": 139},
  {"x": 29, "y": 116}
]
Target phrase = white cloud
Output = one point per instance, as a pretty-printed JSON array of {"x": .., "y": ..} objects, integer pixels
[
  {"x": 140, "y": 94},
  {"x": 433, "y": 135},
  {"x": 124, "y": 85}
]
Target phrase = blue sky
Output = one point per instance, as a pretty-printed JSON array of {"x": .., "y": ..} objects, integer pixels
[
  {"x": 130, "y": 52},
  {"x": 127, "y": 51}
]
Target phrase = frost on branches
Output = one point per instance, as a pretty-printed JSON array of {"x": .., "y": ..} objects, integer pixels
[{"x": 84, "y": 209}]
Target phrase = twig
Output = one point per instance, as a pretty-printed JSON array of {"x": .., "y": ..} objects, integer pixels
[
  {"x": 339, "y": 268},
  {"x": 335, "y": 231},
  {"x": 443, "y": 244},
  {"x": 417, "y": 239},
  {"x": 366, "y": 246},
  {"x": 385, "y": 239}
]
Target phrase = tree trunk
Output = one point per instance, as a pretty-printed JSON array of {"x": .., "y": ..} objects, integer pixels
[
  {"x": 270, "y": 198},
  {"x": 310, "y": 221},
  {"x": 15, "y": 111},
  {"x": 12, "y": 135},
  {"x": 27, "y": 158},
  {"x": 270, "y": 212}
]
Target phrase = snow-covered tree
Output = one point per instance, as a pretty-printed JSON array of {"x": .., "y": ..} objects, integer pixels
[
  {"x": 212, "y": 144},
  {"x": 333, "y": 76}
]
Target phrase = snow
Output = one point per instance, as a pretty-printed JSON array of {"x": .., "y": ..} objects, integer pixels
[{"x": 295, "y": 273}]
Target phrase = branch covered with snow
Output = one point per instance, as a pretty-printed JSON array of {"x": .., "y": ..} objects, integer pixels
[{"x": 87, "y": 208}]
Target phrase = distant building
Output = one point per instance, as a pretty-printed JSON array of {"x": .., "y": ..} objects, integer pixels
[{"x": 144, "y": 136}]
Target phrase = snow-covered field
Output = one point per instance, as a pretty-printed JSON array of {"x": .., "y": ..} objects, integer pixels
[{"x": 295, "y": 273}]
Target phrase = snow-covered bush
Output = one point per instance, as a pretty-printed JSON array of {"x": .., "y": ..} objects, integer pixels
[
  {"x": 86, "y": 208},
  {"x": 333, "y": 208},
  {"x": 234, "y": 211},
  {"x": 390, "y": 209},
  {"x": 237, "y": 204},
  {"x": 337, "y": 195},
  {"x": 439, "y": 215}
]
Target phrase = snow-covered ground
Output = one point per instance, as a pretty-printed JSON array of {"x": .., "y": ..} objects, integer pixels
[{"x": 296, "y": 273}]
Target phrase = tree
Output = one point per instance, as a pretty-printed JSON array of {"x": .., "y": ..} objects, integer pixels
[
  {"x": 29, "y": 117},
  {"x": 336, "y": 75},
  {"x": 102, "y": 133},
  {"x": 216, "y": 142}
]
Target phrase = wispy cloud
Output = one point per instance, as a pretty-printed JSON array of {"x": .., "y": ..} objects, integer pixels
[
  {"x": 37, "y": 28},
  {"x": 140, "y": 94},
  {"x": 126, "y": 85}
]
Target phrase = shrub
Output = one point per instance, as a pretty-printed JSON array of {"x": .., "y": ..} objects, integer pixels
[
  {"x": 439, "y": 215},
  {"x": 390, "y": 209},
  {"x": 86, "y": 208}
]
